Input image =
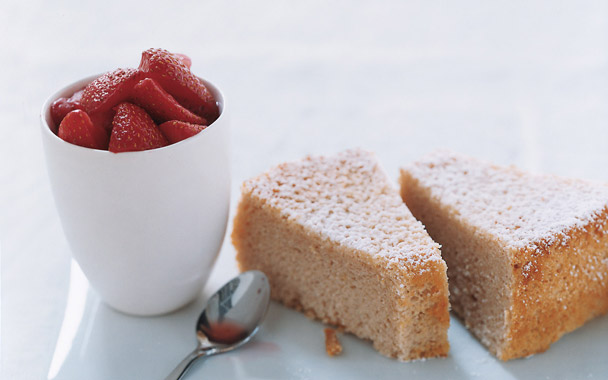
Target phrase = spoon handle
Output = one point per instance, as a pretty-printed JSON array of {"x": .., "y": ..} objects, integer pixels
[{"x": 185, "y": 364}]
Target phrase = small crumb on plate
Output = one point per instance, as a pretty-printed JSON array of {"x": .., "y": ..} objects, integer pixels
[{"x": 332, "y": 344}]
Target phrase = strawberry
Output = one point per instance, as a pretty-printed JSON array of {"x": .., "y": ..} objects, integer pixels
[
  {"x": 103, "y": 119},
  {"x": 149, "y": 95},
  {"x": 77, "y": 128},
  {"x": 175, "y": 130},
  {"x": 185, "y": 59},
  {"x": 104, "y": 93},
  {"x": 133, "y": 129},
  {"x": 63, "y": 106},
  {"x": 175, "y": 77}
]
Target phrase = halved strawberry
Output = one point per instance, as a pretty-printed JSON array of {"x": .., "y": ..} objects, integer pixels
[
  {"x": 149, "y": 95},
  {"x": 105, "y": 92},
  {"x": 185, "y": 59},
  {"x": 175, "y": 77},
  {"x": 62, "y": 107},
  {"x": 175, "y": 130},
  {"x": 77, "y": 128},
  {"x": 133, "y": 129}
]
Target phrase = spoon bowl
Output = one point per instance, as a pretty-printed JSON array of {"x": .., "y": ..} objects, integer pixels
[{"x": 230, "y": 319}]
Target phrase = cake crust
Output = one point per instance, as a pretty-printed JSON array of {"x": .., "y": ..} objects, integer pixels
[{"x": 337, "y": 243}]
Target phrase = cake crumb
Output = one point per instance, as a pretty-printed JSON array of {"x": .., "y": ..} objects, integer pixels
[{"x": 332, "y": 344}]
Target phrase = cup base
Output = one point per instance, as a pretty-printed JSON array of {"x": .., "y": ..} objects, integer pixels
[{"x": 150, "y": 309}]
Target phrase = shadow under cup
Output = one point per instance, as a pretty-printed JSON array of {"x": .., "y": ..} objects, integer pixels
[{"x": 145, "y": 227}]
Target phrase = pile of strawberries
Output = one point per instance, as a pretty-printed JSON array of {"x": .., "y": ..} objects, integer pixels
[{"x": 157, "y": 104}]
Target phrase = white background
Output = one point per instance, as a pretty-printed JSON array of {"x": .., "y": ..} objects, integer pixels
[{"x": 515, "y": 82}]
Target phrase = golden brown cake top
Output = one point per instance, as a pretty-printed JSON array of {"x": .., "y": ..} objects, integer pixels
[
  {"x": 521, "y": 209},
  {"x": 347, "y": 198}
]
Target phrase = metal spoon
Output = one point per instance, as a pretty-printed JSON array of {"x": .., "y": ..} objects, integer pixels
[{"x": 231, "y": 317}]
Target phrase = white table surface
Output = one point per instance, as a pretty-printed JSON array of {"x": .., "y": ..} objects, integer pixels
[{"x": 515, "y": 82}]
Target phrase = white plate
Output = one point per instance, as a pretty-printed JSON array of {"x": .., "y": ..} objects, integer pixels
[{"x": 95, "y": 342}]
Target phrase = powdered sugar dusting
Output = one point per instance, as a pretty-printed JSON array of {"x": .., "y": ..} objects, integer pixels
[
  {"x": 347, "y": 198},
  {"x": 521, "y": 209}
]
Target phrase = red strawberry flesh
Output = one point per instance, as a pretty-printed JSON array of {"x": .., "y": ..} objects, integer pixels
[
  {"x": 107, "y": 91},
  {"x": 175, "y": 130},
  {"x": 103, "y": 119},
  {"x": 134, "y": 130},
  {"x": 149, "y": 95},
  {"x": 175, "y": 77},
  {"x": 62, "y": 107},
  {"x": 77, "y": 128},
  {"x": 185, "y": 59}
]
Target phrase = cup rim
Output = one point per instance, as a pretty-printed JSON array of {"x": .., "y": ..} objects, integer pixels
[{"x": 69, "y": 89}]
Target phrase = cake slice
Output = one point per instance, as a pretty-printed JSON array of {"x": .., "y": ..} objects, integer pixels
[
  {"x": 337, "y": 243},
  {"x": 527, "y": 254}
]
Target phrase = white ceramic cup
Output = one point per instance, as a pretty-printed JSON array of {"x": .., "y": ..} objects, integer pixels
[{"x": 145, "y": 227}]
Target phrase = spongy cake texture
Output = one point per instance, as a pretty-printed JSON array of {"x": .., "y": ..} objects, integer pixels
[
  {"x": 337, "y": 242},
  {"x": 527, "y": 254}
]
